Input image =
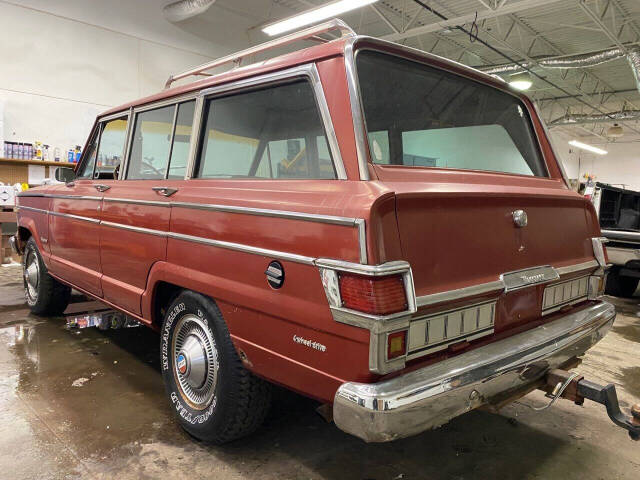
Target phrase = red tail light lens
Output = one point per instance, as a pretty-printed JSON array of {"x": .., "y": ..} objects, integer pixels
[
  {"x": 396, "y": 344},
  {"x": 374, "y": 295}
]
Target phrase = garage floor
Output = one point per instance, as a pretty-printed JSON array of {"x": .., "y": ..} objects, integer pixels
[{"x": 90, "y": 404}]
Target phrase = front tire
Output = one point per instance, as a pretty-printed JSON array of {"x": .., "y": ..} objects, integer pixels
[
  {"x": 45, "y": 295},
  {"x": 214, "y": 397},
  {"x": 620, "y": 286}
]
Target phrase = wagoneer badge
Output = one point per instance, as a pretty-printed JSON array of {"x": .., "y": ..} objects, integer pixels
[
  {"x": 520, "y": 218},
  {"x": 275, "y": 274}
]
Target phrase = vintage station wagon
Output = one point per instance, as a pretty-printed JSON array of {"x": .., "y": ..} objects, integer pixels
[{"x": 381, "y": 229}]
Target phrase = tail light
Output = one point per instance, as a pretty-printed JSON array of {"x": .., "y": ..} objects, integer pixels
[
  {"x": 382, "y": 295},
  {"x": 396, "y": 344}
]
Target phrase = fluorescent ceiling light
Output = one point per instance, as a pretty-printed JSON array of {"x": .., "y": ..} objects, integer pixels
[
  {"x": 315, "y": 15},
  {"x": 589, "y": 148},
  {"x": 521, "y": 81}
]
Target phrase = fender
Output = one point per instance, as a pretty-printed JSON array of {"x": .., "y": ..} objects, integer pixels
[{"x": 30, "y": 224}]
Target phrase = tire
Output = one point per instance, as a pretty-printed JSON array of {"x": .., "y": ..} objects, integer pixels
[
  {"x": 45, "y": 295},
  {"x": 220, "y": 401},
  {"x": 620, "y": 286}
]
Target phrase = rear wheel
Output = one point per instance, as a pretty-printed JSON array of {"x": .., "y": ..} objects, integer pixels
[
  {"x": 44, "y": 294},
  {"x": 215, "y": 398},
  {"x": 620, "y": 286}
]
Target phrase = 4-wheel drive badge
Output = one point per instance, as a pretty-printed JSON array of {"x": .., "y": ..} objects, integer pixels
[{"x": 181, "y": 363}]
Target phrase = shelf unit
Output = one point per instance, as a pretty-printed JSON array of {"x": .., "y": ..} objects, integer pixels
[{"x": 20, "y": 161}]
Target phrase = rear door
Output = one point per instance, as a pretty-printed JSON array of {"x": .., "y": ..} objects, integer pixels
[{"x": 136, "y": 211}]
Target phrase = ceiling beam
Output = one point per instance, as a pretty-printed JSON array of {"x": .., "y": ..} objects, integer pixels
[{"x": 505, "y": 9}]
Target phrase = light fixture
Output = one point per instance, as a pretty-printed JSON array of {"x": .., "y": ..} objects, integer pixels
[
  {"x": 589, "y": 148},
  {"x": 521, "y": 81},
  {"x": 315, "y": 15},
  {"x": 615, "y": 132}
]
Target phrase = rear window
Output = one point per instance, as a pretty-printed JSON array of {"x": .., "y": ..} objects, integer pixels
[
  {"x": 419, "y": 116},
  {"x": 271, "y": 133}
]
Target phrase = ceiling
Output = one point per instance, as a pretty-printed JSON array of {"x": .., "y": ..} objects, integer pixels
[{"x": 524, "y": 30}]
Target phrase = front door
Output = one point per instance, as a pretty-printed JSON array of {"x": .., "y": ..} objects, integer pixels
[
  {"x": 74, "y": 222},
  {"x": 136, "y": 209}
]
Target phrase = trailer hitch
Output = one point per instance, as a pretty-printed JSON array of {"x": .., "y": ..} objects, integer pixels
[{"x": 576, "y": 388}]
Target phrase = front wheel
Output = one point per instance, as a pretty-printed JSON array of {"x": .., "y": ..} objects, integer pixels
[
  {"x": 215, "y": 398},
  {"x": 44, "y": 294},
  {"x": 620, "y": 286}
]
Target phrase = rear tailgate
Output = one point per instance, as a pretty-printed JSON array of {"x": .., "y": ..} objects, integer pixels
[{"x": 459, "y": 234}]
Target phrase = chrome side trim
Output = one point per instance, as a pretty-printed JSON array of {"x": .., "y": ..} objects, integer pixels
[
  {"x": 51, "y": 195},
  {"x": 359, "y": 129},
  {"x": 450, "y": 295},
  {"x": 311, "y": 72},
  {"x": 32, "y": 209},
  {"x": 75, "y": 217},
  {"x": 131, "y": 228},
  {"x": 431, "y": 396},
  {"x": 311, "y": 217},
  {"x": 154, "y": 203},
  {"x": 292, "y": 257}
]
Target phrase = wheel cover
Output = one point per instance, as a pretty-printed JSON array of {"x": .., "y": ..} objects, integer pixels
[
  {"x": 31, "y": 276},
  {"x": 195, "y": 358}
]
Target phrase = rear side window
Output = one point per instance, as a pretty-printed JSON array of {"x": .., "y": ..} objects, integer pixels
[
  {"x": 160, "y": 144},
  {"x": 271, "y": 133},
  {"x": 420, "y": 116}
]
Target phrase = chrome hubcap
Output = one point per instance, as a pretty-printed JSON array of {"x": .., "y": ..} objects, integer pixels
[
  {"x": 196, "y": 361},
  {"x": 31, "y": 275}
]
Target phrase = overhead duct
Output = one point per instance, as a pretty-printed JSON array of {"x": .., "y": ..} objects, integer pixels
[
  {"x": 570, "y": 61},
  {"x": 184, "y": 9},
  {"x": 634, "y": 62},
  {"x": 581, "y": 119}
]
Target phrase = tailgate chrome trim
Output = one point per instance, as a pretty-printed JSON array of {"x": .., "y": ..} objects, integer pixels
[{"x": 497, "y": 286}]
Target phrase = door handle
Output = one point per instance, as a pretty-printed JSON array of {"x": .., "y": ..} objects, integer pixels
[
  {"x": 166, "y": 191},
  {"x": 70, "y": 184},
  {"x": 101, "y": 187}
]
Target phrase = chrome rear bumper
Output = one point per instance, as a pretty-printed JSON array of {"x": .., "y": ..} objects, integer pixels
[{"x": 433, "y": 395}]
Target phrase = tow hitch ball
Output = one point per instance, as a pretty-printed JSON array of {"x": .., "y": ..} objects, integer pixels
[{"x": 577, "y": 389}]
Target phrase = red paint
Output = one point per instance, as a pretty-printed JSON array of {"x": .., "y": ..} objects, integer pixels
[{"x": 454, "y": 228}]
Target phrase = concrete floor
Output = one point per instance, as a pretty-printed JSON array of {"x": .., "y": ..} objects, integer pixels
[{"x": 90, "y": 404}]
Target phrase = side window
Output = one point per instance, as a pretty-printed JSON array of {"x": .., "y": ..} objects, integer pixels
[
  {"x": 89, "y": 157},
  {"x": 110, "y": 148},
  {"x": 181, "y": 140},
  {"x": 151, "y": 143},
  {"x": 274, "y": 132}
]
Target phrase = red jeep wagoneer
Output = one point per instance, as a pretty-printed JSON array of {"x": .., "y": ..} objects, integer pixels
[{"x": 381, "y": 229}]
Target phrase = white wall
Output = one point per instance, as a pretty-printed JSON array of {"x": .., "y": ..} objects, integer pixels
[
  {"x": 621, "y": 165},
  {"x": 64, "y": 61}
]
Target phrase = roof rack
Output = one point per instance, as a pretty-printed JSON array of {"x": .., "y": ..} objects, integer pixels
[{"x": 236, "y": 58}]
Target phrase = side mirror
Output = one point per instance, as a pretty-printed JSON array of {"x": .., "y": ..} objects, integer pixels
[{"x": 65, "y": 174}]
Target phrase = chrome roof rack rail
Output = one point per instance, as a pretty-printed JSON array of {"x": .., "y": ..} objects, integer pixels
[{"x": 236, "y": 58}]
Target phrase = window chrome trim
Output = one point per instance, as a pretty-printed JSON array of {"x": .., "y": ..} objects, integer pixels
[
  {"x": 309, "y": 71},
  {"x": 195, "y": 137},
  {"x": 357, "y": 112}
]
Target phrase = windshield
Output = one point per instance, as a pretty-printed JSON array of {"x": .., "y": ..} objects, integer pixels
[{"x": 420, "y": 116}]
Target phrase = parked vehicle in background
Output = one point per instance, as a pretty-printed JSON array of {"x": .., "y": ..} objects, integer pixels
[
  {"x": 381, "y": 229},
  {"x": 619, "y": 214}
]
